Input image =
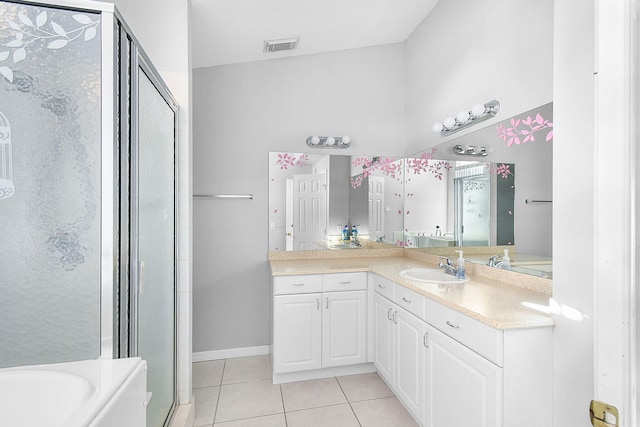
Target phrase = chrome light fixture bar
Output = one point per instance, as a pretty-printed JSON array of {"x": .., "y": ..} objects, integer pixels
[
  {"x": 470, "y": 151},
  {"x": 464, "y": 119},
  {"x": 329, "y": 142}
]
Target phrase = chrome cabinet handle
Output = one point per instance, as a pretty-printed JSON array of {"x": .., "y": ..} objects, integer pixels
[
  {"x": 452, "y": 325},
  {"x": 298, "y": 284},
  {"x": 317, "y": 303},
  {"x": 425, "y": 339},
  {"x": 395, "y": 317},
  {"x": 389, "y": 313},
  {"x": 406, "y": 300},
  {"x": 327, "y": 302},
  {"x": 345, "y": 283}
]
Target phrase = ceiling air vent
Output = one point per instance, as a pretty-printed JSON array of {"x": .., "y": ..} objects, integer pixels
[{"x": 281, "y": 44}]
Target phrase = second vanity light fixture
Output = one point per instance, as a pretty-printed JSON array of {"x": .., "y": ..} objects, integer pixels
[
  {"x": 464, "y": 119},
  {"x": 329, "y": 142}
]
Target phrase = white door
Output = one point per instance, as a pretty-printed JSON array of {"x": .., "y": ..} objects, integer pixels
[
  {"x": 376, "y": 206},
  {"x": 463, "y": 388},
  {"x": 344, "y": 328},
  {"x": 409, "y": 368},
  {"x": 383, "y": 352},
  {"x": 288, "y": 215},
  {"x": 309, "y": 210},
  {"x": 297, "y": 332}
]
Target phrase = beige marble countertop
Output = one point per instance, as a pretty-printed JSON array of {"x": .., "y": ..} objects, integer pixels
[{"x": 489, "y": 300}]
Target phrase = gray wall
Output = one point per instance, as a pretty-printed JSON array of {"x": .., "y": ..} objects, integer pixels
[
  {"x": 470, "y": 52},
  {"x": 243, "y": 111},
  {"x": 462, "y": 54}
]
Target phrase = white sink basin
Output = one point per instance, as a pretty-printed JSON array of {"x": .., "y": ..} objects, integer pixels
[{"x": 430, "y": 275}]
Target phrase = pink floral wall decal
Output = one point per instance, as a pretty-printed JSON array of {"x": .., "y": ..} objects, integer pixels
[
  {"x": 426, "y": 164},
  {"x": 503, "y": 170},
  {"x": 286, "y": 160},
  {"x": 388, "y": 166},
  {"x": 523, "y": 130}
]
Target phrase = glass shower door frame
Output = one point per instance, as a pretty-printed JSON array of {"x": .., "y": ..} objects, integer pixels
[
  {"x": 121, "y": 265},
  {"x": 139, "y": 63}
]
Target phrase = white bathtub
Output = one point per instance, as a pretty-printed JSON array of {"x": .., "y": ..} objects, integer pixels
[{"x": 95, "y": 393}]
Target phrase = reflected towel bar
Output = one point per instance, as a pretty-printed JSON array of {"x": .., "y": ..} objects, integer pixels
[
  {"x": 537, "y": 201},
  {"x": 224, "y": 196}
]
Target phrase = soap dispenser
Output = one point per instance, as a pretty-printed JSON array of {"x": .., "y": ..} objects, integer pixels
[
  {"x": 460, "y": 272},
  {"x": 345, "y": 233},
  {"x": 506, "y": 261}
]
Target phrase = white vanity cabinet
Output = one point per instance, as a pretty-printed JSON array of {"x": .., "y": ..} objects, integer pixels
[
  {"x": 462, "y": 388},
  {"x": 400, "y": 347},
  {"x": 319, "y": 321},
  {"x": 297, "y": 327},
  {"x": 450, "y": 370}
]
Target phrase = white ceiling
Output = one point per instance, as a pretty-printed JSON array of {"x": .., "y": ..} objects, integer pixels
[{"x": 233, "y": 31}]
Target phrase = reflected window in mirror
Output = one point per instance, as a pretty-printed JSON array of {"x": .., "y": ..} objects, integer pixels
[{"x": 453, "y": 199}]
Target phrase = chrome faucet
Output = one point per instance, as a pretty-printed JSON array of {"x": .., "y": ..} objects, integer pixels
[
  {"x": 447, "y": 265},
  {"x": 493, "y": 261}
]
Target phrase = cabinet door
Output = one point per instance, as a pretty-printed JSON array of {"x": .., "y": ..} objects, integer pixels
[
  {"x": 409, "y": 368},
  {"x": 383, "y": 350},
  {"x": 297, "y": 329},
  {"x": 463, "y": 388},
  {"x": 344, "y": 328}
]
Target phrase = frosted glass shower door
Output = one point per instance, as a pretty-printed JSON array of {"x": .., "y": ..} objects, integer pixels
[
  {"x": 50, "y": 184},
  {"x": 472, "y": 219},
  {"x": 155, "y": 224}
]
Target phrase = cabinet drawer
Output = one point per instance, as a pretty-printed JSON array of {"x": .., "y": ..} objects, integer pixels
[
  {"x": 302, "y": 284},
  {"x": 383, "y": 286},
  {"x": 481, "y": 338},
  {"x": 411, "y": 301},
  {"x": 344, "y": 282}
]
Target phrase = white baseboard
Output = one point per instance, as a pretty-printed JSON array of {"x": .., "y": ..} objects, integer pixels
[
  {"x": 337, "y": 371},
  {"x": 203, "y": 356}
]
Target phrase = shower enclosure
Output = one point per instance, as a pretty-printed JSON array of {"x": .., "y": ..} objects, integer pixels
[{"x": 87, "y": 194}]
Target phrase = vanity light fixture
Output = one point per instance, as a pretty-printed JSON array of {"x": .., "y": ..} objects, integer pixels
[
  {"x": 329, "y": 142},
  {"x": 470, "y": 151},
  {"x": 464, "y": 119}
]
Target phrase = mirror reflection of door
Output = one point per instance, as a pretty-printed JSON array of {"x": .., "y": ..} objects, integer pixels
[
  {"x": 472, "y": 205},
  {"x": 309, "y": 210},
  {"x": 376, "y": 207},
  {"x": 289, "y": 215}
]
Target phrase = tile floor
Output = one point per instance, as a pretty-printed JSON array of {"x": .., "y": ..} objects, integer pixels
[{"x": 239, "y": 393}]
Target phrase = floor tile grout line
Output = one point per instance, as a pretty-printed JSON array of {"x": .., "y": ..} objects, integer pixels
[
  {"x": 251, "y": 418},
  {"x": 215, "y": 411},
  {"x": 349, "y": 403},
  {"x": 284, "y": 409}
]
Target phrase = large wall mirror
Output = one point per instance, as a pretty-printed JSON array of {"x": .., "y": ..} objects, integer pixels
[
  {"x": 457, "y": 196},
  {"x": 434, "y": 200},
  {"x": 313, "y": 197}
]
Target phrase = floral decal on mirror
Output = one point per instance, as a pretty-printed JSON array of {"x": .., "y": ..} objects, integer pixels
[
  {"x": 503, "y": 170},
  {"x": 426, "y": 164},
  {"x": 524, "y": 130},
  {"x": 30, "y": 31},
  {"x": 387, "y": 166},
  {"x": 287, "y": 160}
]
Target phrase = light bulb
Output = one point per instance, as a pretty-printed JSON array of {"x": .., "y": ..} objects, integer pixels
[
  {"x": 437, "y": 127},
  {"x": 346, "y": 140},
  {"x": 315, "y": 140},
  {"x": 331, "y": 140},
  {"x": 462, "y": 116},
  {"x": 449, "y": 122},
  {"x": 478, "y": 110}
]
